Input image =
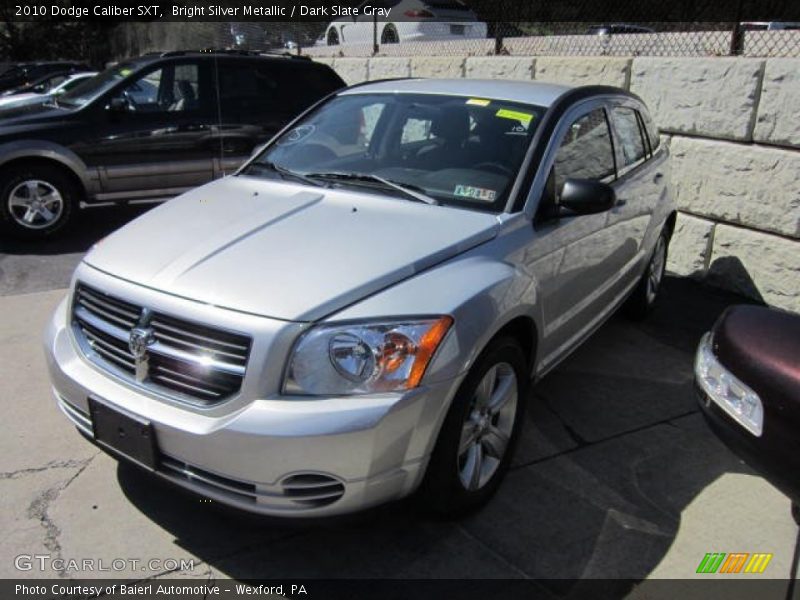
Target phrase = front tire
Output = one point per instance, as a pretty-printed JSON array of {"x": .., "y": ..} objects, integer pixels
[
  {"x": 479, "y": 433},
  {"x": 36, "y": 201},
  {"x": 644, "y": 296}
]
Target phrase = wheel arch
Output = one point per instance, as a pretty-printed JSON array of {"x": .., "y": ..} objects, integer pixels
[
  {"x": 523, "y": 329},
  {"x": 46, "y": 153}
]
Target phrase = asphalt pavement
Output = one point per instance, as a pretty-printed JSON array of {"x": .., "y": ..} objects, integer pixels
[{"x": 616, "y": 477}]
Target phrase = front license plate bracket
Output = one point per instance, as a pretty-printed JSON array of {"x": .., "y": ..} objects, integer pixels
[{"x": 126, "y": 435}]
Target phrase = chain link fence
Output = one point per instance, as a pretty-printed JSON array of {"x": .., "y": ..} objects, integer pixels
[
  {"x": 383, "y": 38},
  {"x": 567, "y": 39}
]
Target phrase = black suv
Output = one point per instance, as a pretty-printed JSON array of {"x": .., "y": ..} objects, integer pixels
[{"x": 146, "y": 130}]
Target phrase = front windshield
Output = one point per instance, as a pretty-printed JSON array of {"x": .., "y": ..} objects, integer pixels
[
  {"x": 91, "y": 88},
  {"x": 456, "y": 150}
]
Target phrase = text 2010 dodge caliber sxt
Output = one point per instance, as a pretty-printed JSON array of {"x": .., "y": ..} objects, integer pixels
[{"x": 357, "y": 313}]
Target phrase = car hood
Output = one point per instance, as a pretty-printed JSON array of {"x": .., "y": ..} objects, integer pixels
[
  {"x": 282, "y": 250},
  {"x": 20, "y": 99},
  {"x": 29, "y": 114}
]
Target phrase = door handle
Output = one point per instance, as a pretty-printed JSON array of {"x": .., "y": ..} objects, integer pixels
[
  {"x": 621, "y": 202},
  {"x": 658, "y": 177}
]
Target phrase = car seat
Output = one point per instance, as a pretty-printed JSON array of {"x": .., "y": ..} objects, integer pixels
[
  {"x": 451, "y": 131},
  {"x": 187, "y": 100}
]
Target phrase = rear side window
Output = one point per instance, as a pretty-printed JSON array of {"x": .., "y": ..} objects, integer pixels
[
  {"x": 415, "y": 130},
  {"x": 264, "y": 88},
  {"x": 307, "y": 85},
  {"x": 630, "y": 135},
  {"x": 586, "y": 151},
  {"x": 247, "y": 87}
]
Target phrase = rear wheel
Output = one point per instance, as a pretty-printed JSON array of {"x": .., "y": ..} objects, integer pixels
[
  {"x": 477, "y": 439},
  {"x": 389, "y": 35},
  {"x": 644, "y": 295},
  {"x": 333, "y": 37},
  {"x": 36, "y": 201}
]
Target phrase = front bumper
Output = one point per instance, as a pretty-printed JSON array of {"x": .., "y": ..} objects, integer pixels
[
  {"x": 290, "y": 457},
  {"x": 774, "y": 454}
]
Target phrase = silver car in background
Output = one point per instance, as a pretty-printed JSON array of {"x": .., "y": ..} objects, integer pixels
[
  {"x": 45, "y": 91},
  {"x": 357, "y": 314},
  {"x": 401, "y": 21}
]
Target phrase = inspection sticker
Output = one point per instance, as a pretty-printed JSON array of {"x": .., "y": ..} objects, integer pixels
[
  {"x": 524, "y": 118},
  {"x": 468, "y": 191},
  {"x": 479, "y": 102}
]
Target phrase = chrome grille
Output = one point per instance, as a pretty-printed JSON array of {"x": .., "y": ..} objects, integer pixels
[{"x": 187, "y": 360}]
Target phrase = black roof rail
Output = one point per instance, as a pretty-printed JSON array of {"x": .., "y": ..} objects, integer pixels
[
  {"x": 232, "y": 52},
  {"x": 368, "y": 82}
]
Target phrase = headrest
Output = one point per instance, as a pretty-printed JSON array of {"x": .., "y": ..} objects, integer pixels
[{"x": 452, "y": 124}]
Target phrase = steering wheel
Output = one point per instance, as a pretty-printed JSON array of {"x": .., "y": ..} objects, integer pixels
[{"x": 494, "y": 167}]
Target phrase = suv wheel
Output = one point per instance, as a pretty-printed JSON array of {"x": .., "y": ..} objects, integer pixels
[
  {"x": 389, "y": 35},
  {"x": 333, "y": 37},
  {"x": 35, "y": 201},
  {"x": 478, "y": 436},
  {"x": 644, "y": 295}
]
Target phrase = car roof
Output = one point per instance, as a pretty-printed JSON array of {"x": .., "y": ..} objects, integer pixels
[
  {"x": 528, "y": 92},
  {"x": 152, "y": 57}
]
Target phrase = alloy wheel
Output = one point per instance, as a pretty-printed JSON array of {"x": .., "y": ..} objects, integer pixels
[
  {"x": 35, "y": 204},
  {"x": 487, "y": 428}
]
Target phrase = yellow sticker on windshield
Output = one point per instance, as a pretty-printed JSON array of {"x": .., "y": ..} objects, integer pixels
[
  {"x": 524, "y": 118},
  {"x": 479, "y": 102},
  {"x": 125, "y": 72}
]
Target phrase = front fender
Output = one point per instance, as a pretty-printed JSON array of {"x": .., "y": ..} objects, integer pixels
[
  {"x": 481, "y": 293},
  {"x": 47, "y": 150}
]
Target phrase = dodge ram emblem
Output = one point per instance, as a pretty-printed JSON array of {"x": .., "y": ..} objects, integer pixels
[{"x": 138, "y": 341}]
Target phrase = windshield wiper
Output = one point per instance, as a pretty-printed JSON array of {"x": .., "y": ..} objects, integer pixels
[
  {"x": 410, "y": 191},
  {"x": 284, "y": 172}
]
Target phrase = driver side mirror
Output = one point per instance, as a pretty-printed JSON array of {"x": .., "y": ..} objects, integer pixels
[{"x": 586, "y": 197}]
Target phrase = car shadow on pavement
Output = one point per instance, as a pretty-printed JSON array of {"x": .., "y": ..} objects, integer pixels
[
  {"x": 91, "y": 225},
  {"x": 34, "y": 266},
  {"x": 613, "y": 449}
]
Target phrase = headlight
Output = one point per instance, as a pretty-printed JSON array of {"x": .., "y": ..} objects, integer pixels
[
  {"x": 360, "y": 358},
  {"x": 725, "y": 390}
]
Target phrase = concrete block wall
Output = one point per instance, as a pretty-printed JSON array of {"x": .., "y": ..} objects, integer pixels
[{"x": 733, "y": 129}]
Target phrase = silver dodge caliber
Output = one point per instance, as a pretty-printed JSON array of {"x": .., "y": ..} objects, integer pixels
[{"x": 358, "y": 312}]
